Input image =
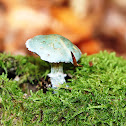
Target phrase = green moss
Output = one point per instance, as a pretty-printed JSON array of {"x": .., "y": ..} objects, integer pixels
[
  {"x": 28, "y": 68},
  {"x": 96, "y": 94}
]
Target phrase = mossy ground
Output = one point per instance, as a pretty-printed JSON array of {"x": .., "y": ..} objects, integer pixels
[{"x": 96, "y": 94}]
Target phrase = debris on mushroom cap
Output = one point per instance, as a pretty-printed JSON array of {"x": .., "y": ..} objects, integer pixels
[{"x": 53, "y": 48}]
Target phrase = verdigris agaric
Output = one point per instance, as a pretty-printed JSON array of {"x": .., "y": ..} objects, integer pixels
[{"x": 56, "y": 50}]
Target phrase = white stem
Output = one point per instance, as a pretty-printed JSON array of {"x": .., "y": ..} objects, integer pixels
[{"x": 57, "y": 76}]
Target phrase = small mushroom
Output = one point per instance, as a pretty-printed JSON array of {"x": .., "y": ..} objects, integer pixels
[{"x": 56, "y": 50}]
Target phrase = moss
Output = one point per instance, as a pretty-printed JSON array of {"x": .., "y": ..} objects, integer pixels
[
  {"x": 96, "y": 94},
  {"x": 28, "y": 68}
]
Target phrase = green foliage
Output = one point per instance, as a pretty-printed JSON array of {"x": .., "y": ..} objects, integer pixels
[{"x": 96, "y": 94}]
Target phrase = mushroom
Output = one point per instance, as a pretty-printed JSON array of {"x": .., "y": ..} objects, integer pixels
[{"x": 54, "y": 49}]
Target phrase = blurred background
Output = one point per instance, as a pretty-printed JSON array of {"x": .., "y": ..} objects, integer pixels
[{"x": 92, "y": 25}]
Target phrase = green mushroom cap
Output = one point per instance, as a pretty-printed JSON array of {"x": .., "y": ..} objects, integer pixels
[{"x": 53, "y": 48}]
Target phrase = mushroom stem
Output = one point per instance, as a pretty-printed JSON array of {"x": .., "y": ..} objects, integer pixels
[{"x": 57, "y": 76}]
